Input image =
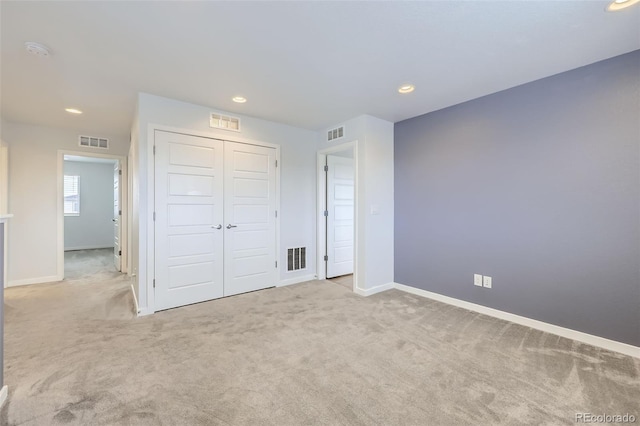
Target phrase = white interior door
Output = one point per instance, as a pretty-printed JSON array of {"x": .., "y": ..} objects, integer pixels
[
  {"x": 340, "y": 216},
  {"x": 188, "y": 226},
  {"x": 117, "y": 214},
  {"x": 250, "y": 209}
]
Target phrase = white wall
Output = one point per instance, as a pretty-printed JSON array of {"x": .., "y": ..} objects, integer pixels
[
  {"x": 297, "y": 179},
  {"x": 33, "y": 170},
  {"x": 4, "y": 198},
  {"x": 374, "y": 263},
  {"x": 93, "y": 228}
]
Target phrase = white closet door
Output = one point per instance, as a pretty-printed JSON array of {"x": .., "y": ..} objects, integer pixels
[
  {"x": 340, "y": 207},
  {"x": 250, "y": 205},
  {"x": 189, "y": 208}
]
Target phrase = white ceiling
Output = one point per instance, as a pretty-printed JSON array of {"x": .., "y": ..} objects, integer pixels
[{"x": 308, "y": 64}]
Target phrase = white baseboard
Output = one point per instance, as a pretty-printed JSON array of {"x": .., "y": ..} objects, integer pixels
[
  {"x": 296, "y": 280},
  {"x": 579, "y": 336},
  {"x": 135, "y": 299},
  {"x": 88, "y": 247},
  {"x": 373, "y": 290},
  {"x": 37, "y": 280},
  {"x": 144, "y": 312},
  {"x": 4, "y": 392}
]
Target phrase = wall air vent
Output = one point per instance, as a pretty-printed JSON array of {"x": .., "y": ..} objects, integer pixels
[
  {"x": 224, "y": 122},
  {"x": 93, "y": 142},
  {"x": 296, "y": 258},
  {"x": 336, "y": 133}
]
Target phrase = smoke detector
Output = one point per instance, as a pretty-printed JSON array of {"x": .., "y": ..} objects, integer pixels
[{"x": 37, "y": 49}]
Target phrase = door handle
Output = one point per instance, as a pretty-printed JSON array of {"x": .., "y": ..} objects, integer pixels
[
  {"x": 113, "y": 220},
  {"x": 229, "y": 226},
  {"x": 217, "y": 227}
]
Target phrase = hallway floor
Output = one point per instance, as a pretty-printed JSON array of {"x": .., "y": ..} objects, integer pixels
[{"x": 92, "y": 265}]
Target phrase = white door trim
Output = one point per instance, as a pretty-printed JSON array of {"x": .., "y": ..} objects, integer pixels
[
  {"x": 321, "y": 244},
  {"x": 150, "y": 200},
  {"x": 122, "y": 160}
]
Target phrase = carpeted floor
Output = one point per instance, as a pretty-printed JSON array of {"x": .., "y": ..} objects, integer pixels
[{"x": 308, "y": 354}]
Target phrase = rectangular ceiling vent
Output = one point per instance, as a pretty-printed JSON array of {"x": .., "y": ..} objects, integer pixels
[
  {"x": 93, "y": 142},
  {"x": 336, "y": 133},
  {"x": 296, "y": 258},
  {"x": 224, "y": 122}
]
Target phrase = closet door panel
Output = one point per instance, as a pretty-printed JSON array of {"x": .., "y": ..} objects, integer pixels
[
  {"x": 189, "y": 195},
  {"x": 250, "y": 206}
]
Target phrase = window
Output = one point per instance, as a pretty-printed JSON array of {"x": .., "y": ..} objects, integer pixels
[{"x": 71, "y": 195}]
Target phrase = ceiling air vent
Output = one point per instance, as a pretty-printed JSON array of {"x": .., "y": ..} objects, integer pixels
[
  {"x": 296, "y": 258},
  {"x": 336, "y": 133},
  {"x": 224, "y": 122},
  {"x": 93, "y": 142}
]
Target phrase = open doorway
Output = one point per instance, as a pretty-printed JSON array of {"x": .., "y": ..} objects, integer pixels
[
  {"x": 91, "y": 213},
  {"x": 337, "y": 219}
]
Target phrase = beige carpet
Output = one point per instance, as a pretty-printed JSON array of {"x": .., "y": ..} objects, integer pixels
[{"x": 309, "y": 354}]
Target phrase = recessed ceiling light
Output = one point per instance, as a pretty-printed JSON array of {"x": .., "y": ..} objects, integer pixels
[
  {"x": 73, "y": 111},
  {"x": 239, "y": 99},
  {"x": 620, "y": 4},
  {"x": 37, "y": 49},
  {"x": 406, "y": 88}
]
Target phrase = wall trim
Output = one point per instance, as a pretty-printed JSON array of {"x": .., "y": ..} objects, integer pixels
[
  {"x": 37, "y": 280},
  {"x": 321, "y": 225},
  {"x": 135, "y": 299},
  {"x": 297, "y": 280},
  {"x": 124, "y": 197},
  {"x": 4, "y": 392},
  {"x": 373, "y": 290},
  {"x": 579, "y": 336},
  {"x": 94, "y": 247},
  {"x": 144, "y": 312}
]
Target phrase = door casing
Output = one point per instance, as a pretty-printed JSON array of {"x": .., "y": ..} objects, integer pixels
[
  {"x": 148, "y": 257},
  {"x": 321, "y": 242},
  {"x": 124, "y": 225}
]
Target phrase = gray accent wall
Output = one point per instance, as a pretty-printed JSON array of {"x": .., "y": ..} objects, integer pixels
[{"x": 538, "y": 187}]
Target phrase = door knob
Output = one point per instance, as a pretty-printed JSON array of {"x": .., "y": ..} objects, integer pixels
[
  {"x": 217, "y": 227},
  {"x": 229, "y": 226}
]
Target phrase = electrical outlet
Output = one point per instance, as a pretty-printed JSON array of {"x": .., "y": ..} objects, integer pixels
[
  {"x": 486, "y": 281},
  {"x": 477, "y": 280}
]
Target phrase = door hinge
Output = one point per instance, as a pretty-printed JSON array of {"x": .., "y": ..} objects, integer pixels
[
  {"x": 119, "y": 212},
  {"x": 276, "y": 263},
  {"x": 276, "y": 163},
  {"x": 276, "y": 213},
  {"x": 154, "y": 216},
  {"x": 154, "y": 150},
  {"x": 326, "y": 168},
  {"x": 120, "y": 253},
  {"x": 154, "y": 283},
  {"x": 326, "y": 258},
  {"x": 120, "y": 172},
  {"x": 326, "y": 213}
]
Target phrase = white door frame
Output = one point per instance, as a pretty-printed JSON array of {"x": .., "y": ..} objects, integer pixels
[
  {"x": 151, "y": 190},
  {"x": 322, "y": 201},
  {"x": 124, "y": 225}
]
